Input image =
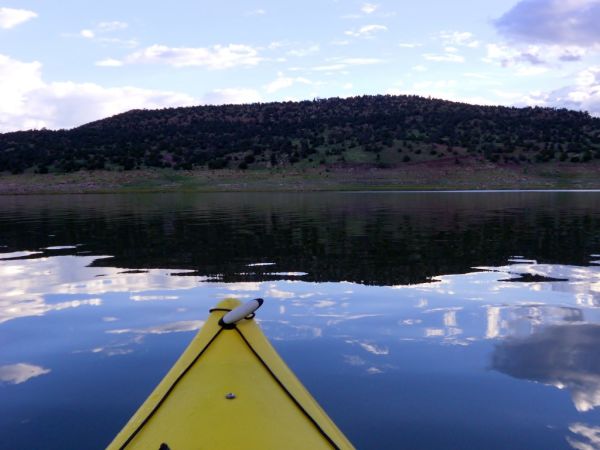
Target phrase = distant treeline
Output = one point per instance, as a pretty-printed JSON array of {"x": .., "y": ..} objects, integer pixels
[{"x": 372, "y": 130}]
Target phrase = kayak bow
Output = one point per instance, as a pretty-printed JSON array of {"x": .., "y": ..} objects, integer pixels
[{"x": 230, "y": 390}]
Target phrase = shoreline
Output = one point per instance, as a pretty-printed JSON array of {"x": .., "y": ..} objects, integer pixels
[{"x": 481, "y": 176}]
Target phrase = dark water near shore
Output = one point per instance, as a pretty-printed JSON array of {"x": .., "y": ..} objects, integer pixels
[{"x": 417, "y": 320}]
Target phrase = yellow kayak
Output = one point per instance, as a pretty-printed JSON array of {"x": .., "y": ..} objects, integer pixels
[{"x": 230, "y": 390}]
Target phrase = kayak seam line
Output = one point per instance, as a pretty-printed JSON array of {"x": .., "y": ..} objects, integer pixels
[
  {"x": 164, "y": 397},
  {"x": 296, "y": 402}
]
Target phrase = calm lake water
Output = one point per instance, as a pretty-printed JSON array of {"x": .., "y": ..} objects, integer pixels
[{"x": 417, "y": 320}]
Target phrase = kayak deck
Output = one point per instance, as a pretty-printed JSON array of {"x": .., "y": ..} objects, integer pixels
[{"x": 190, "y": 408}]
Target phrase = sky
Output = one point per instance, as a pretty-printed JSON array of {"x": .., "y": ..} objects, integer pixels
[{"x": 63, "y": 64}]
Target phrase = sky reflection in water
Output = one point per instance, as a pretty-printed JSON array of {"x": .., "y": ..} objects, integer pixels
[
  {"x": 496, "y": 358},
  {"x": 545, "y": 332}
]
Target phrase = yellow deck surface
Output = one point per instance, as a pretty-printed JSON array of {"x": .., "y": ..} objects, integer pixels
[{"x": 196, "y": 415}]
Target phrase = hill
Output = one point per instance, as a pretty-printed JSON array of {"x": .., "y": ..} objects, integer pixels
[{"x": 370, "y": 131}]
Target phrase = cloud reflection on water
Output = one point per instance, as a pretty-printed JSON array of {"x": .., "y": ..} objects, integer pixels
[
  {"x": 542, "y": 331},
  {"x": 29, "y": 283},
  {"x": 589, "y": 433},
  {"x": 21, "y": 372},
  {"x": 173, "y": 327},
  {"x": 564, "y": 356}
]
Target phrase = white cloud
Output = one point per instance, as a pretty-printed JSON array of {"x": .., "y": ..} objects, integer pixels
[
  {"x": 276, "y": 44},
  {"x": 99, "y": 31},
  {"x": 10, "y": 17},
  {"x": 340, "y": 42},
  {"x": 129, "y": 43},
  {"x": 553, "y": 21},
  {"x": 109, "y": 62},
  {"x": 366, "y": 31},
  {"x": 103, "y": 28},
  {"x": 114, "y": 25},
  {"x": 304, "y": 51},
  {"x": 64, "y": 104},
  {"x": 588, "y": 77},
  {"x": 283, "y": 82},
  {"x": 358, "y": 61},
  {"x": 365, "y": 10},
  {"x": 583, "y": 94},
  {"x": 442, "y": 89},
  {"x": 409, "y": 45},
  {"x": 88, "y": 34},
  {"x": 30, "y": 102},
  {"x": 501, "y": 54},
  {"x": 20, "y": 373},
  {"x": 541, "y": 57},
  {"x": 340, "y": 64},
  {"x": 440, "y": 84},
  {"x": 256, "y": 12},
  {"x": 216, "y": 57},
  {"x": 369, "y": 8},
  {"x": 530, "y": 71},
  {"x": 230, "y": 96},
  {"x": 447, "y": 57},
  {"x": 329, "y": 68},
  {"x": 458, "y": 38},
  {"x": 17, "y": 80},
  {"x": 477, "y": 75}
]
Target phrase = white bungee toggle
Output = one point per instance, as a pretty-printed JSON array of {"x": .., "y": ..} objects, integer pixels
[{"x": 241, "y": 312}]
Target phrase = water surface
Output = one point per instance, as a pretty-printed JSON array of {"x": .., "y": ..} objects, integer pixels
[{"x": 417, "y": 320}]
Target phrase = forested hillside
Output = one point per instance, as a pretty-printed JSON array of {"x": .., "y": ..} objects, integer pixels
[{"x": 381, "y": 131}]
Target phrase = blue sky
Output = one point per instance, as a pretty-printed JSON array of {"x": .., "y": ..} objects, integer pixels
[{"x": 66, "y": 63}]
